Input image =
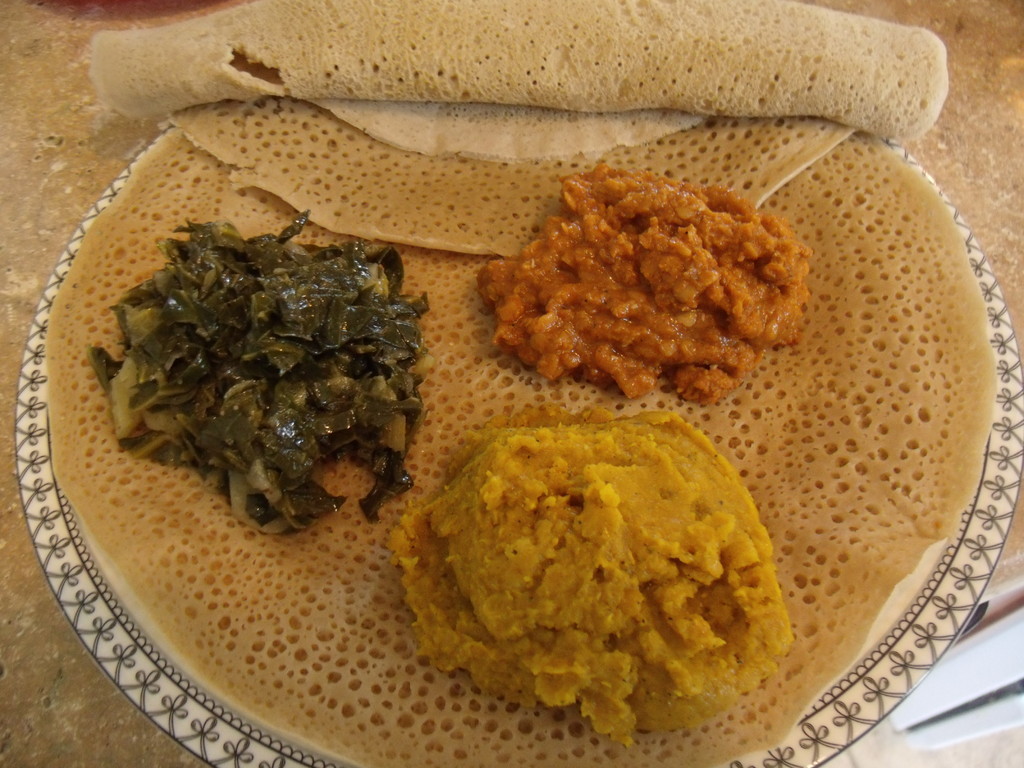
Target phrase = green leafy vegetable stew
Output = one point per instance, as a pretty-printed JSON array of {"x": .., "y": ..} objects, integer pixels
[{"x": 252, "y": 360}]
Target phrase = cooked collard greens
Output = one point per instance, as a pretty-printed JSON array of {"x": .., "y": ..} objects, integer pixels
[{"x": 253, "y": 360}]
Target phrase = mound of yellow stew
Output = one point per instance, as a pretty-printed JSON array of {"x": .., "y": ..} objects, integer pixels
[{"x": 616, "y": 564}]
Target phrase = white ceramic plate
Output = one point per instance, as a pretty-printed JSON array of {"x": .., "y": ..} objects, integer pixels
[{"x": 856, "y": 701}]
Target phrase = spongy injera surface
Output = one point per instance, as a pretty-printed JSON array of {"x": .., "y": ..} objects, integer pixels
[
  {"x": 355, "y": 184},
  {"x": 764, "y": 58},
  {"x": 860, "y": 446}
]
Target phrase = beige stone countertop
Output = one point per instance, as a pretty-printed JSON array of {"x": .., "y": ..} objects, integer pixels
[{"x": 59, "y": 150}]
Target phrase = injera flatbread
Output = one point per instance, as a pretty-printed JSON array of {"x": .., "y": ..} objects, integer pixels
[
  {"x": 861, "y": 447},
  {"x": 352, "y": 183},
  {"x": 501, "y": 132},
  {"x": 761, "y": 58}
]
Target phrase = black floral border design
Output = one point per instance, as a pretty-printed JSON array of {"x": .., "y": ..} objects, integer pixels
[{"x": 853, "y": 705}]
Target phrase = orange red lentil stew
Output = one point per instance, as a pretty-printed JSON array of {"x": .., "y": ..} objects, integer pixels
[{"x": 641, "y": 277}]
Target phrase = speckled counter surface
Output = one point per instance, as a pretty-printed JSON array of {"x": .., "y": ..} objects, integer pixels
[{"x": 59, "y": 149}]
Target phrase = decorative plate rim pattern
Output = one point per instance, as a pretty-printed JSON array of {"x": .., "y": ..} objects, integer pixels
[{"x": 854, "y": 704}]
